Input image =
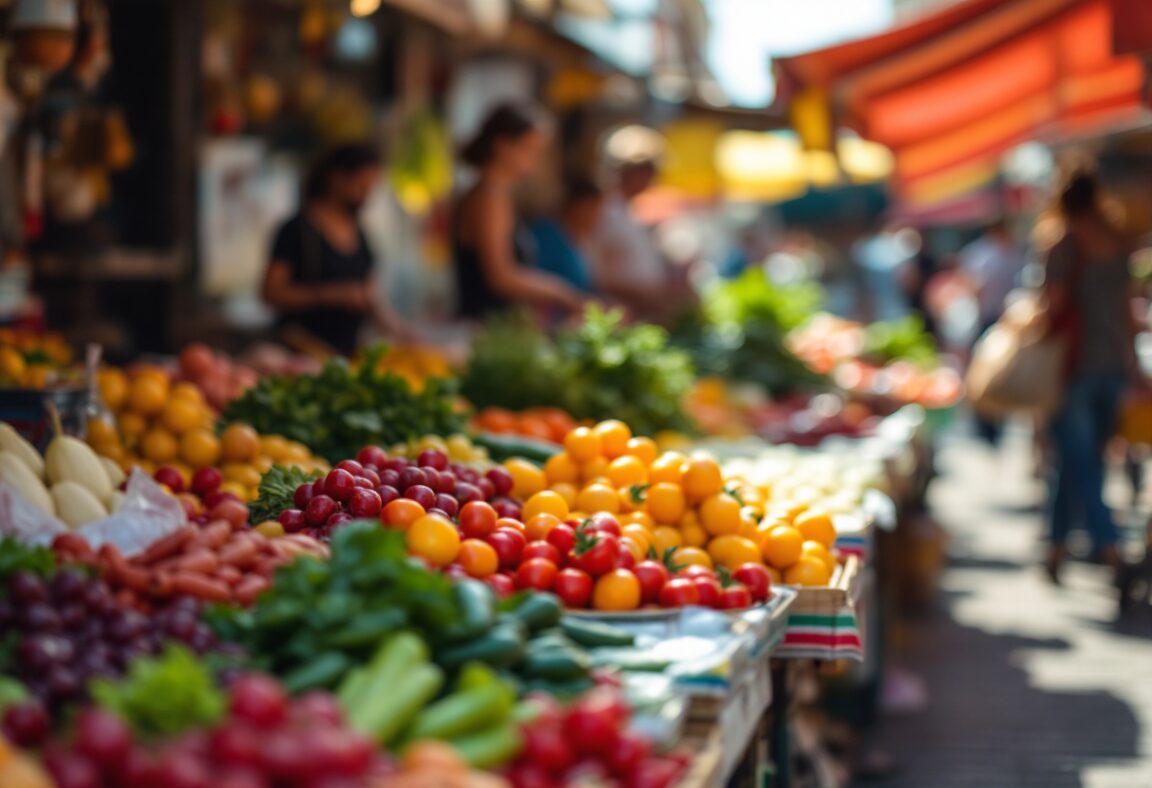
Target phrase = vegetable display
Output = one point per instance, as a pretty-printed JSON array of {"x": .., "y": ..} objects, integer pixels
[
  {"x": 599, "y": 369},
  {"x": 344, "y": 408}
]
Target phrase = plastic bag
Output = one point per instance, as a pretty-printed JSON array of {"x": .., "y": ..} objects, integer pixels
[{"x": 146, "y": 515}]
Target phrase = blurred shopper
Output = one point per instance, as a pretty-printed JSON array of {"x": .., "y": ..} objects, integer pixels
[
  {"x": 628, "y": 267},
  {"x": 991, "y": 266},
  {"x": 319, "y": 278},
  {"x": 495, "y": 253},
  {"x": 920, "y": 269},
  {"x": 1089, "y": 289},
  {"x": 879, "y": 256},
  {"x": 562, "y": 243}
]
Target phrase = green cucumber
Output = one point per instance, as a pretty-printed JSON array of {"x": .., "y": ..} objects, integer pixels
[
  {"x": 556, "y": 664},
  {"x": 323, "y": 670},
  {"x": 477, "y": 605},
  {"x": 506, "y": 447},
  {"x": 491, "y": 748},
  {"x": 463, "y": 713},
  {"x": 502, "y": 646},
  {"x": 593, "y": 634},
  {"x": 538, "y": 611}
]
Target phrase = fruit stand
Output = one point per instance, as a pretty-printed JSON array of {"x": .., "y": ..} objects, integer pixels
[{"x": 521, "y": 590}]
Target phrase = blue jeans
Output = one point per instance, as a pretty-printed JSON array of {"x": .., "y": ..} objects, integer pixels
[{"x": 1080, "y": 431}]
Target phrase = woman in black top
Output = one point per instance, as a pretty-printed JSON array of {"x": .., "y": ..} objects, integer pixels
[
  {"x": 494, "y": 253},
  {"x": 320, "y": 278}
]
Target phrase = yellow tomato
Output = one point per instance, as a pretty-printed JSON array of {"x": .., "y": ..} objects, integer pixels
[
  {"x": 617, "y": 590},
  {"x": 638, "y": 552},
  {"x": 626, "y": 471},
  {"x": 274, "y": 447},
  {"x": 814, "y": 549},
  {"x": 692, "y": 556},
  {"x": 640, "y": 518},
  {"x": 807, "y": 571},
  {"x": 583, "y": 444},
  {"x": 241, "y": 473},
  {"x": 642, "y": 448},
  {"x": 567, "y": 491},
  {"x": 147, "y": 395},
  {"x": 720, "y": 514},
  {"x": 665, "y": 537},
  {"x": 639, "y": 534},
  {"x": 180, "y": 415},
  {"x": 694, "y": 535},
  {"x": 239, "y": 443},
  {"x": 593, "y": 470},
  {"x": 527, "y": 479},
  {"x": 817, "y": 526},
  {"x": 561, "y": 468},
  {"x": 702, "y": 478},
  {"x": 781, "y": 546},
  {"x": 113, "y": 386},
  {"x": 665, "y": 502},
  {"x": 187, "y": 391},
  {"x": 733, "y": 552},
  {"x": 545, "y": 502},
  {"x": 614, "y": 436},
  {"x": 598, "y": 498},
  {"x": 159, "y": 446},
  {"x": 434, "y": 539},
  {"x": 667, "y": 468},
  {"x": 200, "y": 448}
]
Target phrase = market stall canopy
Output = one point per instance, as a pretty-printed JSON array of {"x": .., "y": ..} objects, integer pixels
[{"x": 950, "y": 92}]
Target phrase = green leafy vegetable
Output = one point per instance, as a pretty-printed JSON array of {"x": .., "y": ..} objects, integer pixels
[
  {"x": 900, "y": 340},
  {"x": 277, "y": 488},
  {"x": 344, "y": 408},
  {"x": 15, "y": 556},
  {"x": 164, "y": 695},
  {"x": 739, "y": 331},
  {"x": 597, "y": 370}
]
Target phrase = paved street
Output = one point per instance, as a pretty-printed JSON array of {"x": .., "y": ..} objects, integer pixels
[{"x": 1029, "y": 685}]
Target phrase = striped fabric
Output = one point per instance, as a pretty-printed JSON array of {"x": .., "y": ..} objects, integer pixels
[{"x": 819, "y": 636}]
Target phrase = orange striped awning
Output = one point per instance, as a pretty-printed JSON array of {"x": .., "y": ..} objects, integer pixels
[{"x": 949, "y": 93}]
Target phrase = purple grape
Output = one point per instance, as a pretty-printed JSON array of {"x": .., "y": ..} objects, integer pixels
[
  {"x": 25, "y": 588},
  {"x": 63, "y": 683},
  {"x": 68, "y": 584},
  {"x": 39, "y": 617},
  {"x": 72, "y": 616}
]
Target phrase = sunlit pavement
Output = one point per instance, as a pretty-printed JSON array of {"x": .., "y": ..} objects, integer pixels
[{"x": 1029, "y": 684}]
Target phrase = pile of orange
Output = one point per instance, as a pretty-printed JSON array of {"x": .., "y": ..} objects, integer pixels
[
  {"x": 546, "y": 424},
  {"x": 158, "y": 423},
  {"x": 33, "y": 360}
]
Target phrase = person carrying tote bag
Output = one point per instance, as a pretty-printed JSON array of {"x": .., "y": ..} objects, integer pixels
[{"x": 1089, "y": 291}]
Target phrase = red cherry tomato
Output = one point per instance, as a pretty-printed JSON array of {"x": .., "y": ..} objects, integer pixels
[
  {"x": 547, "y": 746},
  {"x": 735, "y": 597},
  {"x": 679, "y": 592},
  {"x": 757, "y": 579},
  {"x": 709, "y": 591},
  {"x": 627, "y": 560},
  {"x": 501, "y": 584},
  {"x": 509, "y": 545},
  {"x": 594, "y": 722},
  {"x": 562, "y": 537},
  {"x": 536, "y": 573},
  {"x": 603, "y": 522},
  {"x": 596, "y": 553},
  {"x": 627, "y": 753},
  {"x": 574, "y": 587},
  {"x": 477, "y": 520},
  {"x": 652, "y": 576},
  {"x": 541, "y": 549},
  {"x": 695, "y": 571}
]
